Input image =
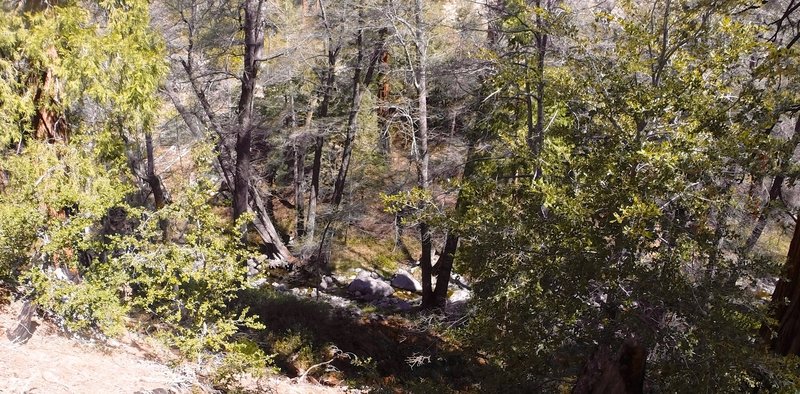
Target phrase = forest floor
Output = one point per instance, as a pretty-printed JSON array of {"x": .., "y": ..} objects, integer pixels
[{"x": 44, "y": 360}]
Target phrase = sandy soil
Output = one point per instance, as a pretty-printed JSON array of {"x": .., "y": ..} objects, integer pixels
[
  {"x": 48, "y": 362},
  {"x": 36, "y": 357}
]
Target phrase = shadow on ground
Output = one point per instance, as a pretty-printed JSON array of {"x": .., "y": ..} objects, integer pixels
[{"x": 301, "y": 333}]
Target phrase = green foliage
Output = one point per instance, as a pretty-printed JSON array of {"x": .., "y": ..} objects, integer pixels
[
  {"x": 109, "y": 57},
  {"x": 241, "y": 357},
  {"x": 70, "y": 236},
  {"x": 620, "y": 227},
  {"x": 188, "y": 283}
]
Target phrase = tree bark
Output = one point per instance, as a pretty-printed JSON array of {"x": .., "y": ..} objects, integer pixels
[
  {"x": 612, "y": 374},
  {"x": 300, "y": 176},
  {"x": 262, "y": 221},
  {"x": 785, "y": 337},
  {"x": 359, "y": 86},
  {"x": 159, "y": 197},
  {"x": 384, "y": 137},
  {"x": 761, "y": 222},
  {"x": 319, "y": 140},
  {"x": 776, "y": 188},
  {"x": 426, "y": 241},
  {"x": 156, "y": 186},
  {"x": 311, "y": 223},
  {"x": 444, "y": 267},
  {"x": 253, "y": 47}
]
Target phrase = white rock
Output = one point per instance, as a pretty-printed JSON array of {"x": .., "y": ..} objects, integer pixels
[{"x": 404, "y": 280}]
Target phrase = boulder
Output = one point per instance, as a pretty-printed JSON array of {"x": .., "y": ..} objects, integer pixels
[
  {"x": 460, "y": 296},
  {"x": 394, "y": 304},
  {"x": 405, "y": 281},
  {"x": 459, "y": 281},
  {"x": 327, "y": 283},
  {"x": 366, "y": 287}
]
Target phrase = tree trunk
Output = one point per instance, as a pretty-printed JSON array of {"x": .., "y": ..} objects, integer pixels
[
  {"x": 612, "y": 374},
  {"x": 311, "y": 223},
  {"x": 153, "y": 180},
  {"x": 775, "y": 189},
  {"x": 359, "y": 86},
  {"x": 50, "y": 125},
  {"x": 352, "y": 127},
  {"x": 384, "y": 137},
  {"x": 262, "y": 221},
  {"x": 423, "y": 181},
  {"x": 300, "y": 177},
  {"x": 253, "y": 46},
  {"x": 785, "y": 338},
  {"x": 444, "y": 267},
  {"x": 761, "y": 223},
  {"x": 319, "y": 141},
  {"x": 535, "y": 137}
]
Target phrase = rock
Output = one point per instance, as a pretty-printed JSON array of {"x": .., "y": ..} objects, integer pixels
[
  {"x": 366, "y": 287},
  {"x": 460, "y": 296},
  {"x": 459, "y": 281},
  {"x": 301, "y": 292},
  {"x": 251, "y": 271},
  {"x": 327, "y": 282},
  {"x": 339, "y": 302},
  {"x": 763, "y": 288},
  {"x": 394, "y": 304},
  {"x": 405, "y": 281},
  {"x": 258, "y": 283},
  {"x": 275, "y": 264}
]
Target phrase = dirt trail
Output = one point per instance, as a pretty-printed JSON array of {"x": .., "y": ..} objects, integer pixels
[
  {"x": 50, "y": 363},
  {"x": 46, "y": 362}
]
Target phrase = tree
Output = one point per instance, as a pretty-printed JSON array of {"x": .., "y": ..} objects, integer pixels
[
  {"x": 360, "y": 83},
  {"x": 196, "y": 49},
  {"x": 253, "y": 28},
  {"x": 615, "y": 239},
  {"x": 418, "y": 62}
]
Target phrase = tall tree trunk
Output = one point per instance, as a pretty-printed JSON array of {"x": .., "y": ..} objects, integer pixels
[
  {"x": 159, "y": 197},
  {"x": 384, "y": 137},
  {"x": 156, "y": 186},
  {"x": 761, "y": 222},
  {"x": 359, "y": 86},
  {"x": 262, "y": 221},
  {"x": 300, "y": 176},
  {"x": 775, "y": 189},
  {"x": 621, "y": 373},
  {"x": 319, "y": 140},
  {"x": 535, "y": 137},
  {"x": 785, "y": 338},
  {"x": 253, "y": 46},
  {"x": 311, "y": 223},
  {"x": 424, "y": 157},
  {"x": 352, "y": 124},
  {"x": 444, "y": 267}
]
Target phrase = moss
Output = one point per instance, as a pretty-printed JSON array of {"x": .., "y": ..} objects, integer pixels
[
  {"x": 775, "y": 241},
  {"x": 369, "y": 253}
]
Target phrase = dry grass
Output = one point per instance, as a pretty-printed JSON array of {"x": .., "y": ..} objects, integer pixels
[
  {"x": 775, "y": 240},
  {"x": 368, "y": 253}
]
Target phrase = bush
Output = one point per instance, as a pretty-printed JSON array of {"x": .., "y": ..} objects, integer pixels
[{"x": 89, "y": 258}]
